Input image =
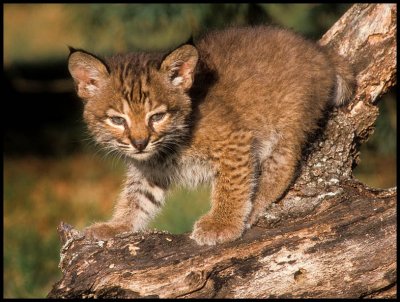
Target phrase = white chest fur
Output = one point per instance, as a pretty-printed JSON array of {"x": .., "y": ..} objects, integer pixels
[
  {"x": 187, "y": 171},
  {"x": 192, "y": 171}
]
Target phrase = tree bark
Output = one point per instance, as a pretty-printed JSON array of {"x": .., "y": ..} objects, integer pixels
[{"x": 330, "y": 236}]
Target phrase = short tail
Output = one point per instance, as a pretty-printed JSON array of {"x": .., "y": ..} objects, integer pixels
[{"x": 345, "y": 80}]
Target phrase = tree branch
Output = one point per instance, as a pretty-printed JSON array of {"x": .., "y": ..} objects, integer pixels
[{"x": 330, "y": 236}]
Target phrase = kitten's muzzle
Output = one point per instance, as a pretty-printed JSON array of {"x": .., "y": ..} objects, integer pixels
[{"x": 140, "y": 144}]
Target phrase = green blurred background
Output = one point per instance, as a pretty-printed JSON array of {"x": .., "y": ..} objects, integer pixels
[{"x": 51, "y": 170}]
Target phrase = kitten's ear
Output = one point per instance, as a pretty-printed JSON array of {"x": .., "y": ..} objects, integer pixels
[
  {"x": 180, "y": 65},
  {"x": 88, "y": 72}
]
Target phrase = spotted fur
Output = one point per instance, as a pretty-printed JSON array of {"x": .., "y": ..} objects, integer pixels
[{"x": 234, "y": 109}]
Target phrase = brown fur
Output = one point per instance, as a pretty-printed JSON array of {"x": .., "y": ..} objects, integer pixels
[{"x": 236, "y": 109}]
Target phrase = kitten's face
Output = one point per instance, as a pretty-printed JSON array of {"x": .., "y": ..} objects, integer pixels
[{"x": 132, "y": 105}]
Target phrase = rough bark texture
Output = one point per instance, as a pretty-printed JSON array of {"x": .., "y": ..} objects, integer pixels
[{"x": 330, "y": 236}]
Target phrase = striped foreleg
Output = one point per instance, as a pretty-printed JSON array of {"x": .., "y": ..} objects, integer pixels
[{"x": 138, "y": 203}]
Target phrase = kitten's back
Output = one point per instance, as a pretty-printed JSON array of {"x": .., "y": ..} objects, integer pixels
[{"x": 273, "y": 75}]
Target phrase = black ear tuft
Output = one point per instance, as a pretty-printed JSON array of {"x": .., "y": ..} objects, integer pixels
[
  {"x": 190, "y": 41},
  {"x": 71, "y": 49}
]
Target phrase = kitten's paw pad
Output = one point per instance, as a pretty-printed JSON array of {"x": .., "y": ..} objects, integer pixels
[
  {"x": 208, "y": 231},
  {"x": 103, "y": 231}
]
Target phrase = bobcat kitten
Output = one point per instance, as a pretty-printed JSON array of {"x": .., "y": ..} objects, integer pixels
[{"x": 234, "y": 109}]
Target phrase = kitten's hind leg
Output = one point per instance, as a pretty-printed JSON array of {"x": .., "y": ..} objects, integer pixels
[{"x": 277, "y": 172}]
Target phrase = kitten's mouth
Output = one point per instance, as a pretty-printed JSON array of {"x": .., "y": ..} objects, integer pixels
[
  {"x": 141, "y": 155},
  {"x": 141, "y": 152}
]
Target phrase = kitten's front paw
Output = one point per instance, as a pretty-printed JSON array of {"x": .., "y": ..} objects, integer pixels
[
  {"x": 103, "y": 231},
  {"x": 211, "y": 231}
]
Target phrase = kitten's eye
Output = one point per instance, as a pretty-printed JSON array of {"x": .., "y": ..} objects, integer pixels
[
  {"x": 157, "y": 117},
  {"x": 117, "y": 120}
]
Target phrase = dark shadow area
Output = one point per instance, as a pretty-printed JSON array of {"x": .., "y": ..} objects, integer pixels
[{"x": 42, "y": 114}]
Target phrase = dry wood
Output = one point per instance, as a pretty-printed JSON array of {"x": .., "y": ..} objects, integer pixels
[{"x": 330, "y": 236}]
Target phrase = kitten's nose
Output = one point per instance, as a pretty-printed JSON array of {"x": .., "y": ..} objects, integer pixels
[{"x": 140, "y": 144}]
